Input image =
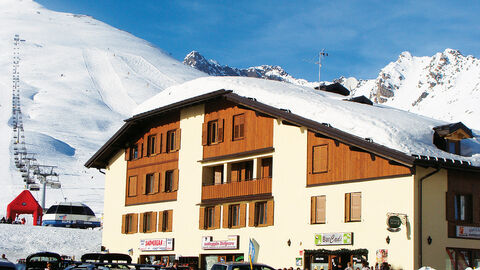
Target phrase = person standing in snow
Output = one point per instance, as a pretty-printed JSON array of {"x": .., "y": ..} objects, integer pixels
[{"x": 4, "y": 257}]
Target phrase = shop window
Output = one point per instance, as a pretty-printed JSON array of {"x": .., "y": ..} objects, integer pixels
[
  {"x": 463, "y": 207},
  {"x": 318, "y": 204},
  {"x": 148, "y": 222},
  {"x": 212, "y": 132},
  {"x": 241, "y": 171},
  {"x": 165, "y": 221},
  {"x": 132, "y": 186},
  {"x": 151, "y": 145},
  {"x": 129, "y": 223},
  {"x": 353, "y": 207},
  {"x": 238, "y": 131},
  {"x": 266, "y": 170},
  {"x": 150, "y": 184},
  {"x": 320, "y": 159},
  {"x": 168, "y": 186},
  {"x": 134, "y": 152}
]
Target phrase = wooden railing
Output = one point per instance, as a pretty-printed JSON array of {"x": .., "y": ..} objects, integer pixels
[{"x": 237, "y": 189}]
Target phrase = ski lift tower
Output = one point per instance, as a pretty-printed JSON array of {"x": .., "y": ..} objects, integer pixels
[
  {"x": 44, "y": 174},
  {"x": 321, "y": 55}
]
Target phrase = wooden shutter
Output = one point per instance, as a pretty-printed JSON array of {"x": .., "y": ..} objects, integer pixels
[
  {"x": 270, "y": 213},
  {"x": 132, "y": 186},
  {"x": 217, "y": 216},
  {"x": 225, "y": 216},
  {"x": 153, "y": 224},
  {"x": 205, "y": 133},
  {"x": 243, "y": 214},
  {"x": 201, "y": 219},
  {"x": 320, "y": 209},
  {"x": 450, "y": 206},
  {"x": 234, "y": 173},
  {"x": 313, "y": 208},
  {"x": 220, "y": 130},
  {"x": 356, "y": 208},
  {"x": 320, "y": 158},
  {"x": 127, "y": 154},
  {"x": 135, "y": 223},
  {"x": 170, "y": 220},
  {"x": 175, "y": 180},
  {"x": 160, "y": 221},
  {"x": 266, "y": 167},
  {"x": 142, "y": 227},
  {"x": 124, "y": 221},
  {"x": 251, "y": 214},
  {"x": 347, "y": 207},
  {"x": 241, "y": 125},
  {"x": 144, "y": 185},
  {"x": 156, "y": 182},
  {"x": 158, "y": 143},
  {"x": 177, "y": 139},
  {"x": 161, "y": 177}
]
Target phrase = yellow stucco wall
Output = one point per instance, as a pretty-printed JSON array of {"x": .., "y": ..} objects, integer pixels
[{"x": 435, "y": 223}]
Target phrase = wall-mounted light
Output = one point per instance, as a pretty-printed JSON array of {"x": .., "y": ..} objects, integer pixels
[
  {"x": 387, "y": 239},
  {"x": 429, "y": 240},
  {"x": 289, "y": 242}
]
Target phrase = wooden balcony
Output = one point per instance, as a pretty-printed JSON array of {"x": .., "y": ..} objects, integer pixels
[{"x": 237, "y": 189}]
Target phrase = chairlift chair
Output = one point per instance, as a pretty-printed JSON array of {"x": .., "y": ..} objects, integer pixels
[
  {"x": 34, "y": 187},
  {"x": 55, "y": 185}
]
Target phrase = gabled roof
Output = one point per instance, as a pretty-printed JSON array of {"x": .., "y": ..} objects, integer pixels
[
  {"x": 387, "y": 132},
  {"x": 462, "y": 131}
]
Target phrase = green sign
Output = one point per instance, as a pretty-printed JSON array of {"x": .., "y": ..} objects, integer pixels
[
  {"x": 323, "y": 239},
  {"x": 394, "y": 222}
]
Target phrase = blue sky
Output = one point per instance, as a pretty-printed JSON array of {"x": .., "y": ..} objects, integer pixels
[{"x": 361, "y": 37}]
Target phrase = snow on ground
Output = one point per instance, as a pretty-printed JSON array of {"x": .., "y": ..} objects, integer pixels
[
  {"x": 79, "y": 78},
  {"x": 404, "y": 131},
  {"x": 19, "y": 241}
]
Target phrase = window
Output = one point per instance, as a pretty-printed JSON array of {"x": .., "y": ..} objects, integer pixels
[
  {"x": 166, "y": 218},
  {"x": 134, "y": 152},
  {"x": 320, "y": 159},
  {"x": 132, "y": 186},
  {"x": 463, "y": 207},
  {"x": 209, "y": 217},
  {"x": 173, "y": 140},
  {"x": 353, "y": 207},
  {"x": 218, "y": 175},
  {"x": 129, "y": 223},
  {"x": 151, "y": 145},
  {"x": 148, "y": 222},
  {"x": 150, "y": 183},
  {"x": 260, "y": 213},
  {"x": 238, "y": 131},
  {"x": 241, "y": 171},
  {"x": 168, "y": 187},
  {"x": 233, "y": 215},
  {"x": 453, "y": 147},
  {"x": 317, "y": 210},
  {"x": 212, "y": 132}
]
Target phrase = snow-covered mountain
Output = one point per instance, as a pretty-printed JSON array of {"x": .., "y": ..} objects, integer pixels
[
  {"x": 445, "y": 86},
  {"x": 212, "y": 67},
  {"x": 79, "y": 78}
]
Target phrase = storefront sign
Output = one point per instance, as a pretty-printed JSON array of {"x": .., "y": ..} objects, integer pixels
[
  {"x": 156, "y": 244},
  {"x": 468, "y": 232},
  {"x": 230, "y": 243},
  {"x": 323, "y": 239}
]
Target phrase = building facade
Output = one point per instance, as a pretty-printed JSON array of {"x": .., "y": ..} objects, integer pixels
[{"x": 200, "y": 180}]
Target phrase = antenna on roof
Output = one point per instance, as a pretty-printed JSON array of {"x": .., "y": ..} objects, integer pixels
[{"x": 321, "y": 55}]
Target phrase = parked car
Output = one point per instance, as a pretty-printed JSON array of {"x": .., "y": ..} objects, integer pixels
[
  {"x": 68, "y": 214},
  {"x": 6, "y": 265},
  {"x": 39, "y": 261},
  {"x": 240, "y": 266}
]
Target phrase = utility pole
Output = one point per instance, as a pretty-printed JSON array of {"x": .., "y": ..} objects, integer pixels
[{"x": 321, "y": 54}]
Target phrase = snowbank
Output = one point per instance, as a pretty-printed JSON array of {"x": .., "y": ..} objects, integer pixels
[{"x": 19, "y": 241}]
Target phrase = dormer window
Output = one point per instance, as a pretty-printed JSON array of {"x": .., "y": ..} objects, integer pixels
[{"x": 448, "y": 137}]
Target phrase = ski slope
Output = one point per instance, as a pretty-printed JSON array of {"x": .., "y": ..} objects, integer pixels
[{"x": 79, "y": 78}]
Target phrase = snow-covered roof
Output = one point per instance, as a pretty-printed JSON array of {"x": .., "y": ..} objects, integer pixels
[{"x": 406, "y": 132}]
